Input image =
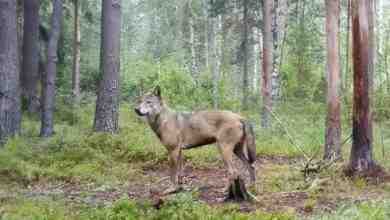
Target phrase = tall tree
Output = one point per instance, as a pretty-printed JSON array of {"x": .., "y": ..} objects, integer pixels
[
  {"x": 215, "y": 23},
  {"x": 205, "y": 7},
  {"x": 76, "y": 53},
  {"x": 267, "y": 63},
  {"x": 49, "y": 88},
  {"x": 107, "y": 105},
  {"x": 245, "y": 84},
  {"x": 333, "y": 129},
  {"x": 279, "y": 18},
  {"x": 10, "y": 114},
  {"x": 29, "y": 74},
  {"x": 361, "y": 158},
  {"x": 345, "y": 83},
  {"x": 191, "y": 24}
]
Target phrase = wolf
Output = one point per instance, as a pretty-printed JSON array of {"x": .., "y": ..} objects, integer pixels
[{"x": 179, "y": 131}]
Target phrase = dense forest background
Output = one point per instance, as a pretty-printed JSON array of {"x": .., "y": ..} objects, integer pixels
[
  {"x": 290, "y": 66},
  {"x": 169, "y": 43}
]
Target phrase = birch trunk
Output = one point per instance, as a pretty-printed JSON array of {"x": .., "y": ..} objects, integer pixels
[{"x": 76, "y": 53}]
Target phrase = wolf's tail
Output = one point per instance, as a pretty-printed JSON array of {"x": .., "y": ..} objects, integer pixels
[{"x": 250, "y": 141}]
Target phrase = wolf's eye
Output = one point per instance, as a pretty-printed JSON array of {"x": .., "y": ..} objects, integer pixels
[{"x": 148, "y": 102}]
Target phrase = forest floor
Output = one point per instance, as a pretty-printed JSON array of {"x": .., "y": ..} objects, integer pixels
[{"x": 280, "y": 188}]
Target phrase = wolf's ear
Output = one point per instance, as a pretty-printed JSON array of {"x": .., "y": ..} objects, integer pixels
[{"x": 157, "y": 91}]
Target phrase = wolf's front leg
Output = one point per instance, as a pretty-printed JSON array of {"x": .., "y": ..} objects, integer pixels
[{"x": 175, "y": 164}]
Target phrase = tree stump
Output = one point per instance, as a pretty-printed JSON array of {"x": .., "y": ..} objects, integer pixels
[{"x": 237, "y": 192}]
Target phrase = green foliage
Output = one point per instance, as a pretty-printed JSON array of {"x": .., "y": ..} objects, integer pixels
[
  {"x": 179, "y": 207},
  {"x": 365, "y": 210},
  {"x": 178, "y": 86}
]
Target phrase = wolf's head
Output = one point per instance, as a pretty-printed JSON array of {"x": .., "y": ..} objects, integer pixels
[{"x": 150, "y": 104}]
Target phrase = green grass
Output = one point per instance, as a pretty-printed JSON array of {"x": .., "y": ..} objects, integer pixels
[
  {"x": 179, "y": 207},
  {"x": 362, "y": 211}
]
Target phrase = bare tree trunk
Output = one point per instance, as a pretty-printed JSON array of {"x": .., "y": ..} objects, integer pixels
[
  {"x": 107, "y": 105},
  {"x": 333, "y": 127},
  {"x": 361, "y": 158},
  {"x": 10, "y": 114},
  {"x": 245, "y": 58},
  {"x": 205, "y": 7},
  {"x": 267, "y": 63},
  {"x": 300, "y": 55},
  {"x": 386, "y": 57},
  {"x": 347, "y": 49},
  {"x": 194, "y": 69},
  {"x": 76, "y": 53},
  {"x": 29, "y": 74},
  {"x": 214, "y": 44},
  {"x": 279, "y": 17},
  {"x": 371, "y": 37},
  {"x": 49, "y": 88},
  {"x": 20, "y": 25}
]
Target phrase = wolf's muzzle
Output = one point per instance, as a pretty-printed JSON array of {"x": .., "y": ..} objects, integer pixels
[{"x": 139, "y": 112}]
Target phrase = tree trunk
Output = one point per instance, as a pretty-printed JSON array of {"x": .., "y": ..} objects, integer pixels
[
  {"x": 245, "y": 58},
  {"x": 49, "y": 89},
  {"x": 371, "y": 42},
  {"x": 20, "y": 24},
  {"x": 300, "y": 53},
  {"x": 280, "y": 14},
  {"x": 76, "y": 53},
  {"x": 215, "y": 57},
  {"x": 10, "y": 114},
  {"x": 205, "y": 7},
  {"x": 333, "y": 127},
  {"x": 107, "y": 105},
  {"x": 361, "y": 159},
  {"x": 267, "y": 63},
  {"x": 385, "y": 57},
  {"x": 29, "y": 74},
  {"x": 194, "y": 69},
  {"x": 345, "y": 85}
]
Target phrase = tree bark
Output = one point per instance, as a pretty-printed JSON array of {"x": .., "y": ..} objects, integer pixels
[
  {"x": 386, "y": 57},
  {"x": 194, "y": 69},
  {"x": 333, "y": 127},
  {"x": 361, "y": 153},
  {"x": 49, "y": 89},
  {"x": 214, "y": 60},
  {"x": 10, "y": 113},
  {"x": 280, "y": 14},
  {"x": 76, "y": 53},
  {"x": 245, "y": 57},
  {"x": 205, "y": 7},
  {"x": 267, "y": 63},
  {"x": 107, "y": 105},
  {"x": 347, "y": 49},
  {"x": 20, "y": 24},
  {"x": 29, "y": 74},
  {"x": 371, "y": 42}
]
